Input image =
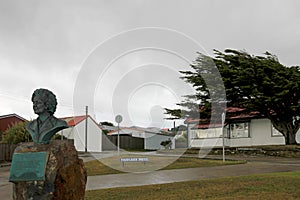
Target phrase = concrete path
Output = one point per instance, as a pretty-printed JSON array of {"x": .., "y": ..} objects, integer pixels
[
  {"x": 178, "y": 175},
  {"x": 5, "y": 186}
]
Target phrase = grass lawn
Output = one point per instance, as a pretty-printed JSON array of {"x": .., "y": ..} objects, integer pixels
[
  {"x": 97, "y": 168},
  {"x": 265, "y": 186}
]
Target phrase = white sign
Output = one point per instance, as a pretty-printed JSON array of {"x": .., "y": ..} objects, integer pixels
[
  {"x": 134, "y": 159},
  {"x": 119, "y": 119}
]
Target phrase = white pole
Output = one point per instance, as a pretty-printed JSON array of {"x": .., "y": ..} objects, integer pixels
[
  {"x": 118, "y": 119},
  {"x": 223, "y": 120},
  {"x": 118, "y": 137},
  {"x": 86, "y": 127}
]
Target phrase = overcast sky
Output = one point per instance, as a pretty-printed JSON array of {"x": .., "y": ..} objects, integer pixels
[{"x": 123, "y": 57}]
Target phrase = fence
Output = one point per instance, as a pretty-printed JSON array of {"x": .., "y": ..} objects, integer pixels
[
  {"x": 127, "y": 142},
  {"x": 7, "y": 151}
]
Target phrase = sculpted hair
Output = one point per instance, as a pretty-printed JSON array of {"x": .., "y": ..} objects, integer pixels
[{"x": 47, "y": 97}]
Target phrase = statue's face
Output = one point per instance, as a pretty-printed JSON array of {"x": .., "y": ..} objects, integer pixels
[{"x": 39, "y": 106}]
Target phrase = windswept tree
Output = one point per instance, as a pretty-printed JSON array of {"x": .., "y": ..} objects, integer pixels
[
  {"x": 254, "y": 83},
  {"x": 209, "y": 101}
]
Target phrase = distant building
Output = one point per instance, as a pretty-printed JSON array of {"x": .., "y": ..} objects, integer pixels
[
  {"x": 96, "y": 139},
  {"x": 7, "y": 121},
  {"x": 108, "y": 128},
  {"x": 142, "y": 138},
  {"x": 241, "y": 128}
]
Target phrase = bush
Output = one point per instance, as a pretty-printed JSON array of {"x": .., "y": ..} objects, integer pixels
[
  {"x": 58, "y": 137},
  {"x": 165, "y": 143},
  {"x": 16, "y": 134},
  {"x": 181, "y": 139}
]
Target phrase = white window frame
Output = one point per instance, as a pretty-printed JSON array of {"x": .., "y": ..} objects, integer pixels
[
  {"x": 275, "y": 132},
  {"x": 241, "y": 132}
]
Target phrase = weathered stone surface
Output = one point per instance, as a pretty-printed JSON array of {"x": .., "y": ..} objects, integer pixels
[{"x": 65, "y": 176}]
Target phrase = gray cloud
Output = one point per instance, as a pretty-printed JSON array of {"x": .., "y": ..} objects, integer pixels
[{"x": 45, "y": 43}]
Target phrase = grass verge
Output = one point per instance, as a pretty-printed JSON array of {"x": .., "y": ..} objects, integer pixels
[
  {"x": 97, "y": 168},
  {"x": 264, "y": 186}
]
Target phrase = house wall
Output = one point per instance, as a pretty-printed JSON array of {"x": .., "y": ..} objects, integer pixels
[
  {"x": 68, "y": 133},
  {"x": 207, "y": 142},
  {"x": 8, "y": 122},
  {"x": 77, "y": 133},
  {"x": 260, "y": 134}
]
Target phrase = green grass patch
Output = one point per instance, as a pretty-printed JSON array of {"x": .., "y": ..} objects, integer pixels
[
  {"x": 265, "y": 186},
  {"x": 188, "y": 162},
  {"x": 96, "y": 167}
]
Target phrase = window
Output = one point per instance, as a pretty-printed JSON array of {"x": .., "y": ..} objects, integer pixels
[
  {"x": 239, "y": 130},
  {"x": 275, "y": 132},
  {"x": 207, "y": 133}
]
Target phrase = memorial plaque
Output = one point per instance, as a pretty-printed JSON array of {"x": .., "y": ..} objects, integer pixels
[{"x": 29, "y": 166}]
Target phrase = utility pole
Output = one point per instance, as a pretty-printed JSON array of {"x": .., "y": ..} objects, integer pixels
[
  {"x": 86, "y": 127},
  {"x": 174, "y": 126}
]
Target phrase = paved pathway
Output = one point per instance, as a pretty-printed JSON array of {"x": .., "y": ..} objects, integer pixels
[
  {"x": 178, "y": 175},
  {"x": 5, "y": 186},
  {"x": 256, "y": 165}
]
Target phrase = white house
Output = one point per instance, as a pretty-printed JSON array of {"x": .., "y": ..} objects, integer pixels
[
  {"x": 240, "y": 129},
  {"x": 147, "y": 138},
  {"x": 82, "y": 127}
]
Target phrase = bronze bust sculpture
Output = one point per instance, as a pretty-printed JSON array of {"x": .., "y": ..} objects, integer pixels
[{"x": 46, "y": 125}]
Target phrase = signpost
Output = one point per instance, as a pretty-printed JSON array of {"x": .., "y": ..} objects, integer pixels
[
  {"x": 223, "y": 120},
  {"x": 119, "y": 119}
]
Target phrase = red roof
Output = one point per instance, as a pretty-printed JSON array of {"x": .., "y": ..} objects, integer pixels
[
  {"x": 232, "y": 114},
  {"x": 6, "y": 121},
  {"x": 234, "y": 109},
  {"x": 73, "y": 121}
]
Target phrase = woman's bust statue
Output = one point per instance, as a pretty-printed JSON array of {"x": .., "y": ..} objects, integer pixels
[{"x": 46, "y": 125}]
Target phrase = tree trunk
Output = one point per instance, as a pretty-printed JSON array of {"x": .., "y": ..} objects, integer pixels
[
  {"x": 291, "y": 138},
  {"x": 288, "y": 130}
]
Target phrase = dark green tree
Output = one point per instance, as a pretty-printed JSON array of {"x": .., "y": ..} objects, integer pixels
[
  {"x": 16, "y": 134},
  {"x": 106, "y": 123},
  {"x": 254, "y": 83}
]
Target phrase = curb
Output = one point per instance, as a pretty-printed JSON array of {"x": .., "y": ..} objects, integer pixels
[{"x": 5, "y": 165}]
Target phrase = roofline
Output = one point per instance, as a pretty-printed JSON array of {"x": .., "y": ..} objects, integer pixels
[
  {"x": 63, "y": 118},
  {"x": 13, "y": 115},
  {"x": 136, "y": 129}
]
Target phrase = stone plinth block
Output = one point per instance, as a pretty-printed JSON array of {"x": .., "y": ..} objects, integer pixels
[{"x": 65, "y": 175}]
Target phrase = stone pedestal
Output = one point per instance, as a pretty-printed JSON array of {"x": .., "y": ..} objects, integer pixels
[{"x": 65, "y": 175}]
